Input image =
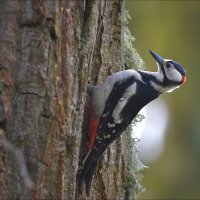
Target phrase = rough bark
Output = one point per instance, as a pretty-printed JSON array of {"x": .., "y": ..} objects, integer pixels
[{"x": 49, "y": 51}]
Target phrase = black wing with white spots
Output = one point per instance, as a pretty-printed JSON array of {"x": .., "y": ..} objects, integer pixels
[{"x": 124, "y": 102}]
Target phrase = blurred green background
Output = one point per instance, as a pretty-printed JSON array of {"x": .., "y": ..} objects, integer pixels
[{"x": 172, "y": 29}]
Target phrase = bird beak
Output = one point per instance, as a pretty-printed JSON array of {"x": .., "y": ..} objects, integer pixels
[{"x": 158, "y": 58}]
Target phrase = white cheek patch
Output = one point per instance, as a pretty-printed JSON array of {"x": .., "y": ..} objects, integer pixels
[{"x": 173, "y": 74}]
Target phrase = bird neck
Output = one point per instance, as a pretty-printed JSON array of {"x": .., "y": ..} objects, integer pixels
[{"x": 159, "y": 82}]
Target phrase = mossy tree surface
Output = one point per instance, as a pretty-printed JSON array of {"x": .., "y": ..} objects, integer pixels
[{"x": 49, "y": 51}]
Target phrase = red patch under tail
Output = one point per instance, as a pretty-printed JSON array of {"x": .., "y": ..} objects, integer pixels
[{"x": 93, "y": 124}]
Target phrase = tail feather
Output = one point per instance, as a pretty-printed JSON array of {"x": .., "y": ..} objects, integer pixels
[
  {"x": 85, "y": 168},
  {"x": 88, "y": 167},
  {"x": 88, "y": 178},
  {"x": 82, "y": 174}
]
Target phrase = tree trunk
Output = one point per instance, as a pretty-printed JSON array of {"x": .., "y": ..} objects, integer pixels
[{"x": 50, "y": 50}]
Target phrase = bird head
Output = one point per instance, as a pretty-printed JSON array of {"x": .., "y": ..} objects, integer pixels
[{"x": 173, "y": 74}]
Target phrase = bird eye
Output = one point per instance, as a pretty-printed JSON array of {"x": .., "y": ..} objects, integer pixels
[{"x": 169, "y": 65}]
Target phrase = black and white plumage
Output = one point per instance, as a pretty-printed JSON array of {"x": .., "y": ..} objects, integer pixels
[{"x": 118, "y": 100}]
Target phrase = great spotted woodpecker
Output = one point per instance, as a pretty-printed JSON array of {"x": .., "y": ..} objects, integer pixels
[{"x": 115, "y": 103}]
